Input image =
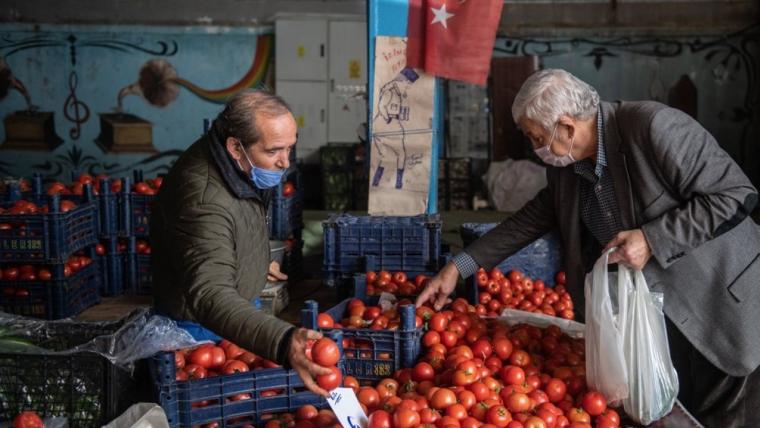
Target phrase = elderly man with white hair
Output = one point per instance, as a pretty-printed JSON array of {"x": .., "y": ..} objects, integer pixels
[{"x": 649, "y": 180}]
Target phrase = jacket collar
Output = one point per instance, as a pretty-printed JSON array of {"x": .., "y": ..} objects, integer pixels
[
  {"x": 618, "y": 165},
  {"x": 233, "y": 176}
]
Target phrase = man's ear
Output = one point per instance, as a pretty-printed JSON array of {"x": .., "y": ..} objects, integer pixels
[
  {"x": 569, "y": 124},
  {"x": 233, "y": 148}
]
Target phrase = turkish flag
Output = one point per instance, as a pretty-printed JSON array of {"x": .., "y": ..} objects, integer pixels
[{"x": 453, "y": 38}]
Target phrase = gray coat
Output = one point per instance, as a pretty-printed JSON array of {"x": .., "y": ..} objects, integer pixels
[{"x": 692, "y": 202}]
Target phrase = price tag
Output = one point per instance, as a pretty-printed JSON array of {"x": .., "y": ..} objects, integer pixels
[{"x": 346, "y": 407}]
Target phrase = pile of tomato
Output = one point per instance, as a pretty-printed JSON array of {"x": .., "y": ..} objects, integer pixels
[
  {"x": 226, "y": 358},
  {"x": 477, "y": 372},
  {"x": 28, "y": 273},
  {"x": 515, "y": 290},
  {"x": 396, "y": 283},
  {"x": 141, "y": 247},
  {"x": 23, "y": 207}
]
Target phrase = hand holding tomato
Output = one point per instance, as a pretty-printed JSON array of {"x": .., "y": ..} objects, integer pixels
[
  {"x": 632, "y": 249},
  {"x": 440, "y": 287},
  {"x": 306, "y": 369}
]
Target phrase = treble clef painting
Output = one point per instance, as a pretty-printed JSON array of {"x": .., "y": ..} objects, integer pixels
[{"x": 75, "y": 110}]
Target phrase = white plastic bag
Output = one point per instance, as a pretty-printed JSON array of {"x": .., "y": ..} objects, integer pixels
[
  {"x": 605, "y": 361},
  {"x": 652, "y": 379}
]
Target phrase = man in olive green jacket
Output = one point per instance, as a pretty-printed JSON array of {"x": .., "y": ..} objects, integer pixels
[{"x": 209, "y": 232}]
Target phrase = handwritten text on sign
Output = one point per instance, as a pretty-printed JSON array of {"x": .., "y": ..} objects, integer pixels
[{"x": 346, "y": 407}]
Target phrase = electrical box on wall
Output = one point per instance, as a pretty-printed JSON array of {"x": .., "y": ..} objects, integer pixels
[{"x": 321, "y": 71}]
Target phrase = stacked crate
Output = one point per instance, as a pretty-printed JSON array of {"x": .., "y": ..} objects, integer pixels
[
  {"x": 48, "y": 267},
  {"x": 344, "y": 177},
  {"x": 454, "y": 187},
  {"x": 285, "y": 220},
  {"x": 356, "y": 244}
]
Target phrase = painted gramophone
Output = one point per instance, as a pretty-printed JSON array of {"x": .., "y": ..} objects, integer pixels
[
  {"x": 26, "y": 129},
  {"x": 125, "y": 132}
]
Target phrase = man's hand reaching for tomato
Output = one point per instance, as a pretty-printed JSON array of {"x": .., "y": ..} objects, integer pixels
[
  {"x": 440, "y": 287},
  {"x": 306, "y": 369}
]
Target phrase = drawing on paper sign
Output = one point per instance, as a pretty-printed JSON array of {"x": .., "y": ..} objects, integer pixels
[
  {"x": 401, "y": 132},
  {"x": 393, "y": 110}
]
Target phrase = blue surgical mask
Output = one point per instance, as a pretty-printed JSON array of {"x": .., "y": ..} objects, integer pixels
[
  {"x": 549, "y": 158},
  {"x": 263, "y": 178}
]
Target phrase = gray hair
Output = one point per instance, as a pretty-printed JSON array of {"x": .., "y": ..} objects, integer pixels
[
  {"x": 549, "y": 94},
  {"x": 241, "y": 115}
]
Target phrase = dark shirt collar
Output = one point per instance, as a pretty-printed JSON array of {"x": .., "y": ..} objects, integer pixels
[
  {"x": 587, "y": 165},
  {"x": 237, "y": 181}
]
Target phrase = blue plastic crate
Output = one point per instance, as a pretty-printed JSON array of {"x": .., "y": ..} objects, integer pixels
[
  {"x": 113, "y": 266},
  {"x": 138, "y": 271},
  {"x": 57, "y": 298},
  {"x": 177, "y": 397},
  {"x": 540, "y": 259},
  {"x": 285, "y": 214},
  {"x": 134, "y": 210},
  {"x": 388, "y": 350},
  {"x": 47, "y": 238},
  {"x": 358, "y": 243}
]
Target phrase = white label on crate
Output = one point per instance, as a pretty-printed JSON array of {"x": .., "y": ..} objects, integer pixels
[{"x": 346, "y": 407}]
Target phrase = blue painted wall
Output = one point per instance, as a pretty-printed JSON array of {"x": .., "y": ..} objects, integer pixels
[{"x": 105, "y": 59}]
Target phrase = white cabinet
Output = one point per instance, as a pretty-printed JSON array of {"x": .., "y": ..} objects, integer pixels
[
  {"x": 300, "y": 50},
  {"x": 321, "y": 71},
  {"x": 348, "y": 79},
  {"x": 308, "y": 100}
]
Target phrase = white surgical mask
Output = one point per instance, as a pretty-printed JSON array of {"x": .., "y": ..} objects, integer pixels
[{"x": 549, "y": 158}]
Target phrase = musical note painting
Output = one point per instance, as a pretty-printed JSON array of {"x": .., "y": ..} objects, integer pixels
[{"x": 109, "y": 101}]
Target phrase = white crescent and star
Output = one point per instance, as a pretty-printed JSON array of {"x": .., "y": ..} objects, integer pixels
[{"x": 441, "y": 16}]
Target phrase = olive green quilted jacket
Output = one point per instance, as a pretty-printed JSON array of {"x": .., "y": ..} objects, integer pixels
[{"x": 210, "y": 249}]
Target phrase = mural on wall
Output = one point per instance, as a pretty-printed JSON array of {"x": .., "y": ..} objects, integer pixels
[
  {"x": 148, "y": 133},
  {"x": 715, "y": 79}
]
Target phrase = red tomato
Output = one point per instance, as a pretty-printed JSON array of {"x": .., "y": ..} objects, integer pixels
[
  {"x": 379, "y": 419},
  {"x": 399, "y": 277},
  {"x": 330, "y": 381},
  {"x": 457, "y": 411},
  {"x": 560, "y": 277},
  {"x": 499, "y": 416},
  {"x": 594, "y": 403},
  {"x": 179, "y": 360},
  {"x": 10, "y": 274},
  {"x": 512, "y": 375},
  {"x": 325, "y": 352},
  {"x": 368, "y": 396},
  {"x": 306, "y": 412},
  {"x": 195, "y": 371},
  {"x": 27, "y": 419},
  {"x": 608, "y": 419},
  {"x": 387, "y": 388},
  {"x": 519, "y": 358},
  {"x": 234, "y": 366},
  {"x": 534, "y": 422},
  {"x": 403, "y": 418},
  {"x": 438, "y": 323},
  {"x": 423, "y": 371},
  {"x": 555, "y": 390},
  {"x": 443, "y": 398},
  {"x": 288, "y": 189},
  {"x": 67, "y": 206},
  {"x": 44, "y": 274}
]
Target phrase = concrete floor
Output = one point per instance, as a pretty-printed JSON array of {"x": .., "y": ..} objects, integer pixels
[{"x": 309, "y": 287}]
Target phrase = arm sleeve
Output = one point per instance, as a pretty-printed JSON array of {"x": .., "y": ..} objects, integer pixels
[
  {"x": 717, "y": 195},
  {"x": 206, "y": 260}
]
